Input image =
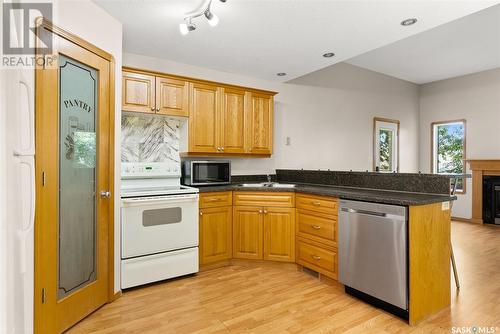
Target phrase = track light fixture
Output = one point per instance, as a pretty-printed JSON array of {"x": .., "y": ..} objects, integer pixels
[{"x": 187, "y": 26}]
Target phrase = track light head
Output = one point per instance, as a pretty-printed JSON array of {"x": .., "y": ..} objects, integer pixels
[
  {"x": 213, "y": 20},
  {"x": 186, "y": 27}
]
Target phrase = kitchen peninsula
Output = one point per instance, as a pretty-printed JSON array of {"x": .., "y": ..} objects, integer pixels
[{"x": 296, "y": 218}]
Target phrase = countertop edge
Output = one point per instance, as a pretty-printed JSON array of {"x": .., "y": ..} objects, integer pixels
[{"x": 383, "y": 197}]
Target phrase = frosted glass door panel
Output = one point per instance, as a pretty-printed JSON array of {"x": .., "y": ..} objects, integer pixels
[{"x": 77, "y": 258}]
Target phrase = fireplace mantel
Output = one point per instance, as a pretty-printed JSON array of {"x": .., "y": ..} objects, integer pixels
[{"x": 479, "y": 168}]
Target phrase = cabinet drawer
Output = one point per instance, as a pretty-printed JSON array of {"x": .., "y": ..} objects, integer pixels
[
  {"x": 316, "y": 225},
  {"x": 265, "y": 199},
  {"x": 319, "y": 257},
  {"x": 215, "y": 199},
  {"x": 317, "y": 203}
]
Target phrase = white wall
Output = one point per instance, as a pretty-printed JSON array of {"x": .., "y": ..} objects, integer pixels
[
  {"x": 90, "y": 22},
  {"x": 474, "y": 97},
  {"x": 330, "y": 125}
]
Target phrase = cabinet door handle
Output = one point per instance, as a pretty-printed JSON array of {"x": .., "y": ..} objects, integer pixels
[
  {"x": 201, "y": 213},
  {"x": 316, "y": 257},
  {"x": 213, "y": 199},
  {"x": 260, "y": 211},
  {"x": 218, "y": 148},
  {"x": 157, "y": 109},
  {"x": 222, "y": 148},
  {"x": 265, "y": 212},
  {"x": 316, "y": 227},
  {"x": 152, "y": 108},
  {"x": 316, "y": 203}
]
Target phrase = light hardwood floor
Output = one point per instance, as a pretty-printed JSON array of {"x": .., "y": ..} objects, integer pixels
[{"x": 276, "y": 298}]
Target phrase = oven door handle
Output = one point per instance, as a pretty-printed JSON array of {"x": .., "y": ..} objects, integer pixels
[{"x": 159, "y": 200}]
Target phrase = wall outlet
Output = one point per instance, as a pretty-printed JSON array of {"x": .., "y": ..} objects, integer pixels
[
  {"x": 288, "y": 141},
  {"x": 445, "y": 206}
]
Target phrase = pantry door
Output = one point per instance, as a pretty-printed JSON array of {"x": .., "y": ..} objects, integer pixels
[{"x": 74, "y": 179}]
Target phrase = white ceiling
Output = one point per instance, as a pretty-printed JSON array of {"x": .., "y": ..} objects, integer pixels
[
  {"x": 467, "y": 45},
  {"x": 262, "y": 37}
]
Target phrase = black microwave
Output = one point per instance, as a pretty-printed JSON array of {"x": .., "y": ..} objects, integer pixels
[{"x": 208, "y": 172}]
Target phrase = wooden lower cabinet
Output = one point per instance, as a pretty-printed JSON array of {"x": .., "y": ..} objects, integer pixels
[
  {"x": 279, "y": 234},
  {"x": 317, "y": 233},
  {"x": 215, "y": 234},
  {"x": 266, "y": 226},
  {"x": 264, "y": 233},
  {"x": 317, "y": 257},
  {"x": 247, "y": 232}
]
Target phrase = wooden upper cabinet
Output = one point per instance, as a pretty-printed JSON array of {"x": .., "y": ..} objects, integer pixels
[
  {"x": 233, "y": 121},
  {"x": 260, "y": 124},
  {"x": 204, "y": 119},
  {"x": 223, "y": 119},
  {"x": 138, "y": 92},
  {"x": 172, "y": 97},
  {"x": 154, "y": 94}
]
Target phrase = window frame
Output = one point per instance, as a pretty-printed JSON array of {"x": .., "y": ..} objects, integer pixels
[
  {"x": 376, "y": 138},
  {"x": 434, "y": 152}
]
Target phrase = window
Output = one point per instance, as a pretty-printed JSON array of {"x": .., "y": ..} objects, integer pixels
[
  {"x": 385, "y": 145},
  {"x": 448, "y": 149}
]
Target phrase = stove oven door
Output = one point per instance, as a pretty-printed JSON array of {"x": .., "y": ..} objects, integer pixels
[{"x": 153, "y": 225}]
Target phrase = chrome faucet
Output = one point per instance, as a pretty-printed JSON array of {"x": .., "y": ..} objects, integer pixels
[{"x": 268, "y": 178}]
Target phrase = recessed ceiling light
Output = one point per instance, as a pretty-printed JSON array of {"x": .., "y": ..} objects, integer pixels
[
  {"x": 408, "y": 22},
  {"x": 281, "y": 74},
  {"x": 328, "y": 54}
]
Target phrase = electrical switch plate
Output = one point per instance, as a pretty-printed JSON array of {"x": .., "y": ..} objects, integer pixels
[{"x": 445, "y": 206}]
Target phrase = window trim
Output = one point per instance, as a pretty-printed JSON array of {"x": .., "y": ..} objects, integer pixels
[
  {"x": 433, "y": 125},
  {"x": 375, "y": 138}
]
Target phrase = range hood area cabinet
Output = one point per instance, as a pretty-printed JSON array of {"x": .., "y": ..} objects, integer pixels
[
  {"x": 152, "y": 94},
  {"x": 227, "y": 121},
  {"x": 224, "y": 120}
]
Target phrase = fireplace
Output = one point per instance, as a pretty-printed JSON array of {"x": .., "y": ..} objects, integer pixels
[
  {"x": 491, "y": 199},
  {"x": 481, "y": 169}
]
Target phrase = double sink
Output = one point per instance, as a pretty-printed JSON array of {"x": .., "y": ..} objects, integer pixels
[{"x": 266, "y": 185}]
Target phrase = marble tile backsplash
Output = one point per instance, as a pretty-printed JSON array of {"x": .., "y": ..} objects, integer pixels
[{"x": 150, "y": 138}]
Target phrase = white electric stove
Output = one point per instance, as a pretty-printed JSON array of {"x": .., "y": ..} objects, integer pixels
[{"x": 159, "y": 224}]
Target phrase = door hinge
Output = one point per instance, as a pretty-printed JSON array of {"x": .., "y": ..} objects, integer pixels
[
  {"x": 44, "y": 296},
  {"x": 43, "y": 179}
]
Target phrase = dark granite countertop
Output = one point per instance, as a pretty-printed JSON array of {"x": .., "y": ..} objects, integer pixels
[{"x": 350, "y": 193}]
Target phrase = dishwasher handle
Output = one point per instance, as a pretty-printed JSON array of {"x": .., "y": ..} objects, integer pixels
[
  {"x": 365, "y": 212},
  {"x": 383, "y": 215}
]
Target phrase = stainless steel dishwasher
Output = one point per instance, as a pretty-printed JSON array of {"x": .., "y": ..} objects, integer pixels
[{"x": 373, "y": 253}]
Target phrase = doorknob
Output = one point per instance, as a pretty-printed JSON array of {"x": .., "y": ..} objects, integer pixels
[{"x": 105, "y": 194}]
